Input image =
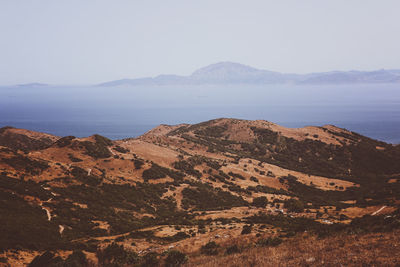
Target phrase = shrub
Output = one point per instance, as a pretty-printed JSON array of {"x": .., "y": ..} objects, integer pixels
[
  {"x": 211, "y": 248},
  {"x": 212, "y": 131},
  {"x": 65, "y": 141},
  {"x": 120, "y": 239},
  {"x": 46, "y": 259},
  {"x": 81, "y": 175},
  {"x": 236, "y": 175},
  {"x": 232, "y": 250},
  {"x": 19, "y": 162},
  {"x": 294, "y": 205},
  {"x": 254, "y": 179},
  {"x": 269, "y": 242},
  {"x": 73, "y": 158},
  {"x": 116, "y": 255},
  {"x": 260, "y": 202},
  {"x": 157, "y": 172},
  {"x": 99, "y": 148},
  {"x": 205, "y": 197},
  {"x": 121, "y": 149},
  {"x": 138, "y": 163},
  {"x": 175, "y": 258},
  {"x": 187, "y": 167},
  {"x": 76, "y": 259},
  {"x": 178, "y": 236},
  {"x": 150, "y": 259},
  {"x": 246, "y": 230}
]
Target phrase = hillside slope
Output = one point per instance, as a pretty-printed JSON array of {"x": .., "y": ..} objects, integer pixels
[{"x": 183, "y": 186}]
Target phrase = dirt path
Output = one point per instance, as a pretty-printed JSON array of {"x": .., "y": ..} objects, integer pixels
[
  {"x": 47, "y": 212},
  {"x": 61, "y": 229},
  {"x": 376, "y": 212}
]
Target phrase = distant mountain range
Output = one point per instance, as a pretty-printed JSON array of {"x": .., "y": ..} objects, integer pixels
[
  {"x": 33, "y": 85},
  {"x": 235, "y": 73}
]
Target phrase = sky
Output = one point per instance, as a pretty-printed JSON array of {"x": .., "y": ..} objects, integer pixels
[{"x": 93, "y": 41}]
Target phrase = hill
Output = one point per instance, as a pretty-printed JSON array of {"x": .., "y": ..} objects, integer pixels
[
  {"x": 25, "y": 140},
  {"x": 222, "y": 186}
]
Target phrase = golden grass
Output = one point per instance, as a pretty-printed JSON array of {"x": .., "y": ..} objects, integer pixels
[{"x": 345, "y": 250}]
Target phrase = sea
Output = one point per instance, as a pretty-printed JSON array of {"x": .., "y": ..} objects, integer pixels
[{"x": 120, "y": 112}]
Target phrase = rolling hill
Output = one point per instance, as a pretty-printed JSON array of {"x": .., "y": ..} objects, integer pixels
[{"x": 222, "y": 186}]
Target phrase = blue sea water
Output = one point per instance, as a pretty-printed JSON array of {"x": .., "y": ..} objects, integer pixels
[{"x": 121, "y": 112}]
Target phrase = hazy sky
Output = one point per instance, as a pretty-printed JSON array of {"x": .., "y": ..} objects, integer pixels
[{"x": 69, "y": 42}]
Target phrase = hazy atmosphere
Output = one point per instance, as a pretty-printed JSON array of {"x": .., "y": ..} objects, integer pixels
[
  {"x": 84, "y": 67},
  {"x": 199, "y": 133},
  {"x": 89, "y": 42}
]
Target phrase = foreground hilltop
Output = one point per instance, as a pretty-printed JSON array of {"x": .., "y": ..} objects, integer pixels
[{"x": 221, "y": 185}]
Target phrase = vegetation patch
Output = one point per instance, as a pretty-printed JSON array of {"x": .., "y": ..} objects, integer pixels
[
  {"x": 138, "y": 163},
  {"x": 22, "y": 163},
  {"x": 187, "y": 168},
  {"x": 64, "y": 141},
  {"x": 25, "y": 226},
  {"x": 157, "y": 172},
  {"x": 269, "y": 242},
  {"x": 212, "y": 131},
  {"x": 204, "y": 197},
  {"x": 73, "y": 158},
  {"x": 211, "y": 248},
  {"x": 121, "y": 149},
  {"x": 260, "y": 202},
  {"x": 98, "y": 149}
]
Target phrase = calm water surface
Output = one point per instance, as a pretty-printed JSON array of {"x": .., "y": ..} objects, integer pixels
[{"x": 120, "y": 112}]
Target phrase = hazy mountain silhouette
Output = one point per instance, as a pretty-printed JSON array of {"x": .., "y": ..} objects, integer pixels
[{"x": 235, "y": 73}]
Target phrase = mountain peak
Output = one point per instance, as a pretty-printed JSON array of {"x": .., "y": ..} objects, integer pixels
[
  {"x": 226, "y": 67},
  {"x": 231, "y": 72}
]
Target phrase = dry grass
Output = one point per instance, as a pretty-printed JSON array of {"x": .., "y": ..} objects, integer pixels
[{"x": 344, "y": 250}]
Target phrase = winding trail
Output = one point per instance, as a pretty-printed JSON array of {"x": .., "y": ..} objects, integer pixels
[{"x": 60, "y": 227}]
